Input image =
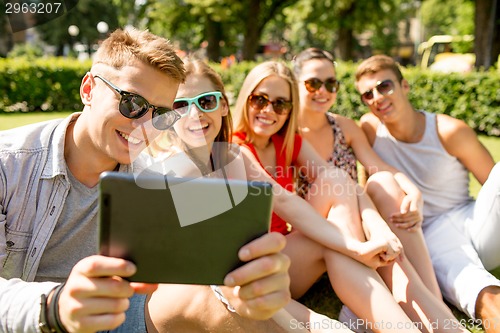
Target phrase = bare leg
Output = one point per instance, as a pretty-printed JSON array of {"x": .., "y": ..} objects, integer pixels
[
  {"x": 307, "y": 262},
  {"x": 335, "y": 197},
  {"x": 363, "y": 291},
  {"x": 488, "y": 308},
  {"x": 358, "y": 286},
  {"x": 387, "y": 197},
  {"x": 193, "y": 308},
  {"x": 315, "y": 322},
  {"x": 417, "y": 301}
]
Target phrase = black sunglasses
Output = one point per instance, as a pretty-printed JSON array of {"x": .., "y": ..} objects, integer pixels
[
  {"x": 134, "y": 106},
  {"x": 384, "y": 88},
  {"x": 314, "y": 84},
  {"x": 280, "y": 106}
]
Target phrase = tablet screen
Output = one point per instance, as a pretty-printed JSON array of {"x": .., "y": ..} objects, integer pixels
[{"x": 188, "y": 231}]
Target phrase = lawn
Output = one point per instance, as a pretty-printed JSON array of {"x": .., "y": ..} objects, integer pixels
[
  {"x": 321, "y": 296},
  {"x": 10, "y": 120}
]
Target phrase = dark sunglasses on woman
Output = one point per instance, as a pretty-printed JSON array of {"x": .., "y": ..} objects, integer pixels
[
  {"x": 384, "y": 88},
  {"x": 314, "y": 84},
  {"x": 134, "y": 106},
  {"x": 280, "y": 106},
  {"x": 206, "y": 102}
]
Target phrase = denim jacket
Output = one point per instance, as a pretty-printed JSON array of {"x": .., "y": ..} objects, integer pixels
[{"x": 33, "y": 190}]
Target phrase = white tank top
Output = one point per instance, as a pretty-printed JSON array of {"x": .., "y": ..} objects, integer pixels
[{"x": 443, "y": 180}]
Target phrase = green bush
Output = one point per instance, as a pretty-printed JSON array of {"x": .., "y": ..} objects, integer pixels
[
  {"x": 52, "y": 84},
  {"x": 27, "y": 50},
  {"x": 46, "y": 84}
]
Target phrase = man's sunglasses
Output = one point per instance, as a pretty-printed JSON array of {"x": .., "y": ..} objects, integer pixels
[
  {"x": 134, "y": 106},
  {"x": 206, "y": 102},
  {"x": 384, "y": 88},
  {"x": 314, "y": 84},
  {"x": 280, "y": 106}
]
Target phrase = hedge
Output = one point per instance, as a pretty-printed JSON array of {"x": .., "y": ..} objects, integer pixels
[
  {"x": 46, "y": 84},
  {"x": 52, "y": 84}
]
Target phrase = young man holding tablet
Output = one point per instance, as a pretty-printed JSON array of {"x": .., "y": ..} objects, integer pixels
[{"x": 48, "y": 203}]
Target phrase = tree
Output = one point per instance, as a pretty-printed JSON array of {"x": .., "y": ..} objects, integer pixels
[
  {"x": 480, "y": 18},
  {"x": 5, "y": 35},
  {"x": 486, "y": 42},
  {"x": 227, "y": 25},
  {"x": 85, "y": 15},
  {"x": 339, "y": 25},
  {"x": 259, "y": 13},
  {"x": 192, "y": 24},
  {"x": 447, "y": 17}
]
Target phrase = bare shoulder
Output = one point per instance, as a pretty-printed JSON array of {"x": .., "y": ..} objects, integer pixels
[
  {"x": 457, "y": 137},
  {"x": 344, "y": 121},
  {"x": 369, "y": 124},
  {"x": 349, "y": 128},
  {"x": 452, "y": 130}
]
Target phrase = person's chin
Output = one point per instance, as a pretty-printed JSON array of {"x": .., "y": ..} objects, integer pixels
[
  {"x": 199, "y": 141},
  {"x": 267, "y": 131}
]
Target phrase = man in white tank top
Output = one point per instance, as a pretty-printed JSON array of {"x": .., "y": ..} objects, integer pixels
[{"x": 437, "y": 152}]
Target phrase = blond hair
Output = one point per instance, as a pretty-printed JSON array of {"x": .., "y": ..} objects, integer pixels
[
  {"x": 123, "y": 47},
  {"x": 376, "y": 64},
  {"x": 253, "y": 79}
]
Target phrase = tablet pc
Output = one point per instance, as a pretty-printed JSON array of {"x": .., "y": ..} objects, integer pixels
[{"x": 188, "y": 232}]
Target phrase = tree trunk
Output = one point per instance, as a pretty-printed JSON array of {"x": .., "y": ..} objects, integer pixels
[
  {"x": 484, "y": 32},
  {"x": 252, "y": 31},
  {"x": 495, "y": 52},
  {"x": 60, "y": 50},
  {"x": 345, "y": 42},
  {"x": 214, "y": 35}
]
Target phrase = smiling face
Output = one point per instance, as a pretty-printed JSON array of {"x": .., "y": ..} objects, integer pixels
[
  {"x": 320, "y": 100},
  {"x": 198, "y": 128},
  {"x": 102, "y": 131},
  {"x": 385, "y": 107},
  {"x": 265, "y": 122}
]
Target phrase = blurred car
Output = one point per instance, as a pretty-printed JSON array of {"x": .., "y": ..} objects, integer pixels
[{"x": 448, "y": 53}]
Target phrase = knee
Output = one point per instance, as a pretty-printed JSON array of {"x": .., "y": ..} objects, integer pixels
[
  {"x": 381, "y": 177},
  {"x": 380, "y": 181}
]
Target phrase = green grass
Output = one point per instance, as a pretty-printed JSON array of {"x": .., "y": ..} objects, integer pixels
[
  {"x": 320, "y": 297},
  {"x": 11, "y": 120},
  {"x": 493, "y": 145}
]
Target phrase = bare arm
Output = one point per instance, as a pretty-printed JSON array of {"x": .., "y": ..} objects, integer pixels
[
  {"x": 411, "y": 210},
  {"x": 373, "y": 163},
  {"x": 306, "y": 219},
  {"x": 375, "y": 226},
  {"x": 462, "y": 142}
]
